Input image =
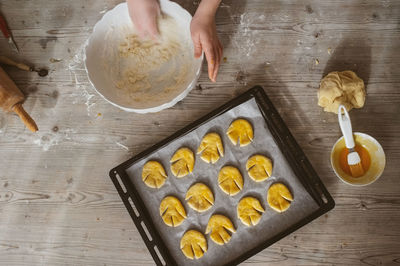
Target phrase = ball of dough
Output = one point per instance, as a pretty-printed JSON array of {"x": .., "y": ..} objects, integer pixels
[
  {"x": 193, "y": 244},
  {"x": 279, "y": 197},
  {"x": 249, "y": 211},
  {"x": 219, "y": 226},
  {"x": 172, "y": 211},
  {"x": 199, "y": 197},
  {"x": 153, "y": 174},
  {"x": 344, "y": 88}
]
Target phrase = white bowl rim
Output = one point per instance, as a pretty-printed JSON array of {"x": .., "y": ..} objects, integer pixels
[
  {"x": 379, "y": 146},
  {"x": 154, "y": 109}
]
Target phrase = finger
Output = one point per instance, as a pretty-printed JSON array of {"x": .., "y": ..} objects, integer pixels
[
  {"x": 142, "y": 33},
  {"x": 153, "y": 28},
  {"x": 159, "y": 10},
  {"x": 217, "y": 52},
  {"x": 137, "y": 27},
  {"x": 197, "y": 47},
  {"x": 210, "y": 56},
  {"x": 221, "y": 48},
  {"x": 220, "y": 55},
  {"x": 221, "y": 51},
  {"x": 217, "y": 63}
]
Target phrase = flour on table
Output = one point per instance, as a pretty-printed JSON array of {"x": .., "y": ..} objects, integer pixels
[
  {"x": 46, "y": 140},
  {"x": 84, "y": 92}
]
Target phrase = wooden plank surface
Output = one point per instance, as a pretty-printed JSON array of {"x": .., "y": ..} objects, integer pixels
[{"x": 57, "y": 203}]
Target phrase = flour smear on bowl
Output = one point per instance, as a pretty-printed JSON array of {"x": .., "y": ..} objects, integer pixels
[{"x": 148, "y": 72}]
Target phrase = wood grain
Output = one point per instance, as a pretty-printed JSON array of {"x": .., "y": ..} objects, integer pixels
[{"x": 57, "y": 203}]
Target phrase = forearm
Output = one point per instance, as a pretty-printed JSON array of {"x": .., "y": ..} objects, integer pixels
[{"x": 208, "y": 8}]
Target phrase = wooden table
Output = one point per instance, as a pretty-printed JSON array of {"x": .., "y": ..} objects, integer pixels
[{"x": 57, "y": 203}]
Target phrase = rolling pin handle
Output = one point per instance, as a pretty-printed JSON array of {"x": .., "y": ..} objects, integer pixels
[
  {"x": 24, "y": 67},
  {"x": 8, "y": 61},
  {"x": 28, "y": 121}
]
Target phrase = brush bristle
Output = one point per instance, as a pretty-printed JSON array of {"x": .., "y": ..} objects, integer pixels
[{"x": 356, "y": 170}]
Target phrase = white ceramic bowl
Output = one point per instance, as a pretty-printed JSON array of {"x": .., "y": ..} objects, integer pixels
[
  {"x": 103, "y": 64},
  {"x": 378, "y": 160}
]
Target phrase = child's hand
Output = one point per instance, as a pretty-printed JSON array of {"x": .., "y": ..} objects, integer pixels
[
  {"x": 205, "y": 38},
  {"x": 144, "y": 16}
]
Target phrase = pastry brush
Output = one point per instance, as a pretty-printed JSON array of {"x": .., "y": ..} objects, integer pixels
[{"x": 353, "y": 158}]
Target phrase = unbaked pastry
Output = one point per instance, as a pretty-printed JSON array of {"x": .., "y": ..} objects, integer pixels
[
  {"x": 211, "y": 148},
  {"x": 240, "y": 131},
  {"x": 230, "y": 180},
  {"x": 193, "y": 244},
  {"x": 199, "y": 197},
  {"x": 338, "y": 88},
  {"x": 182, "y": 162},
  {"x": 153, "y": 174},
  {"x": 172, "y": 211},
  {"x": 279, "y": 197},
  {"x": 259, "y": 167},
  {"x": 249, "y": 211},
  {"x": 219, "y": 226}
]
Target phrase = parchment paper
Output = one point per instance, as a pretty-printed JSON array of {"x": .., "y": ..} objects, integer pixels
[{"x": 245, "y": 237}]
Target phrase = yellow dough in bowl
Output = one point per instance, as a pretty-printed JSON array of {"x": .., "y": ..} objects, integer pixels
[
  {"x": 230, "y": 180},
  {"x": 193, "y": 244},
  {"x": 249, "y": 211},
  {"x": 211, "y": 148},
  {"x": 341, "y": 88},
  {"x": 279, "y": 197},
  {"x": 218, "y": 226},
  {"x": 153, "y": 174},
  {"x": 182, "y": 162},
  {"x": 242, "y": 131},
  {"x": 199, "y": 197},
  {"x": 172, "y": 211},
  {"x": 259, "y": 167}
]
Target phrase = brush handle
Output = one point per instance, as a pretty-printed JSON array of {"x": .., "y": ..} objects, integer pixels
[
  {"x": 345, "y": 126},
  {"x": 25, "y": 117}
]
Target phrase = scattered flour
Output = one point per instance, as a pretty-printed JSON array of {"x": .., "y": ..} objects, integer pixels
[
  {"x": 223, "y": 5},
  {"x": 105, "y": 8},
  {"x": 84, "y": 91},
  {"x": 245, "y": 39},
  {"x": 122, "y": 146},
  {"x": 46, "y": 140},
  {"x": 245, "y": 42},
  {"x": 386, "y": 3}
]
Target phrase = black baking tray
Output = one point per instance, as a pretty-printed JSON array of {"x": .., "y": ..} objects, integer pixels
[{"x": 284, "y": 139}]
